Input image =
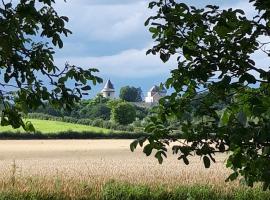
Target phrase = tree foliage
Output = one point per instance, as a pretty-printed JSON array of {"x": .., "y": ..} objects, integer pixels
[
  {"x": 30, "y": 30},
  {"x": 214, "y": 50},
  {"x": 131, "y": 94},
  {"x": 123, "y": 113},
  {"x": 100, "y": 110}
]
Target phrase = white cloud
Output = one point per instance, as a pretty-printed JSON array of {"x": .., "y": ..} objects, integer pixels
[
  {"x": 244, "y": 5},
  {"x": 111, "y": 23},
  {"x": 115, "y": 22},
  {"x": 105, "y": 22},
  {"x": 131, "y": 63}
]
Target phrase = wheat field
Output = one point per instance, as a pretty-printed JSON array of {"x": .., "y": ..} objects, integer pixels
[{"x": 98, "y": 161}]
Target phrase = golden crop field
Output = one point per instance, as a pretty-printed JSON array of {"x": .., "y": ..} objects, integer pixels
[{"x": 99, "y": 161}]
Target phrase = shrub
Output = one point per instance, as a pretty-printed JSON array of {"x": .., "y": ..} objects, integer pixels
[
  {"x": 107, "y": 124},
  {"x": 124, "y": 113},
  {"x": 98, "y": 123},
  {"x": 85, "y": 121}
]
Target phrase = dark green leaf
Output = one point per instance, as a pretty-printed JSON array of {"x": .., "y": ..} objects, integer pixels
[{"x": 206, "y": 162}]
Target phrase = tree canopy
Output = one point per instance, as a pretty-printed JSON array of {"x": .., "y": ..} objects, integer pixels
[
  {"x": 215, "y": 51},
  {"x": 131, "y": 94},
  {"x": 124, "y": 113},
  {"x": 30, "y": 30}
]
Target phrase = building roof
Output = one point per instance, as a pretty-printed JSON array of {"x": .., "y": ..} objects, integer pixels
[
  {"x": 108, "y": 86},
  {"x": 154, "y": 89},
  {"x": 157, "y": 89}
]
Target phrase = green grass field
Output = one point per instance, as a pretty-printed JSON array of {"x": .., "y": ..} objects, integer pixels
[{"x": 46, "y": 126}]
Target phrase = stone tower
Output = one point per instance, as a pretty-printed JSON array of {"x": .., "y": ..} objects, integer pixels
[{"x": 108, "y": 90}]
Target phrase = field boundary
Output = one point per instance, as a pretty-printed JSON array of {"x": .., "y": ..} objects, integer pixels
[{"x": 9, "y": 135}]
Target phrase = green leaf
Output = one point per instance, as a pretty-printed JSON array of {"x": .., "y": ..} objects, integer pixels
[
  {"x": 185, "y": 160},
  {"x": 4, "y": 121},
  {"x": 188, "y": 52},
  {"x": 222, "y": 30},
  {"x": 148, "y": 149},
  {"x": 133, "y": 145},
  {"x": 266, "y": 185},
  {"x": 225, "y": 117},
  {"x": 65, "y": 18},
  {"x": 266, "y": 151},
  {"x": 142, "y": 140},
  {"x": 240, "y": 11},
  {"x": 206, "y": 162},
  {"x": 60, "y": 43},
  {"x": 222, "y": 148},
  {"x": 212, "y": 7},
  {"x": 29, "y": 127},
  {"x": 242, "y": 118},
  {"x": 146, "y": 23},
  {"x": 183, "y": 5},
  {"x": 153, "y": 30},
  {"x": 232, "y": 177},
  {"x": 164, "y": 57},
  {"x": 87, "y": 87},
  {"x": 247, "y": 77},
  {"x": 159, "y": 157},
  {"x": 152, "y": 4}
]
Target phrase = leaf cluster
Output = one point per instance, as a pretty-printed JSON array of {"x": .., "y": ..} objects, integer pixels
[
  {"x": 30, "y": 30},
  {"x": 214, "y": 50}
]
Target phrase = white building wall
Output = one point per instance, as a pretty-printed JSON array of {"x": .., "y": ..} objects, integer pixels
[
  {"x": 149, "y": 99},
  {"x": 108, "y": 94},
  {"x": 152, "y": 99}
]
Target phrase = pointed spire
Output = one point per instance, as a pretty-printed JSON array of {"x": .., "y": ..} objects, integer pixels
[{"x": 108, "y": 86}]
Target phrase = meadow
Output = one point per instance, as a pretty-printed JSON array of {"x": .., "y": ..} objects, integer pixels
[
  {"x": 47, "y": 126},
  {"x": 106, "y": 169},
  {"x": 49, "y": 129}
]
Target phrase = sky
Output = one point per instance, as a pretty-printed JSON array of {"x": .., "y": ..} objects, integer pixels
[{"x": 110, "y": 35}]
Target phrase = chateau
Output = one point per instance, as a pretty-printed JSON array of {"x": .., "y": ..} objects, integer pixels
[{"x": 153, "y": 95}]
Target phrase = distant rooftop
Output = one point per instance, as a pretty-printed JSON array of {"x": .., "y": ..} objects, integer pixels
[
  {"x": 108, "y": 85},
  {"x": 156, "y": 88}
]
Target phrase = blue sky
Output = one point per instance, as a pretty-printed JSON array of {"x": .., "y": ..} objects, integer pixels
[{"x": 110, "y": 35}]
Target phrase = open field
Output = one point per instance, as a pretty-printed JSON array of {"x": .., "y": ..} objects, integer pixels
[
  {"x": 102, "y": 160},
  {"x": 46, "y": 126},
  {"x": 81, "y": 169}
]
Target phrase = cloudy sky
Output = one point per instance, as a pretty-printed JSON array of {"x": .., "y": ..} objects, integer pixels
[{"x": 110, "y": 35}]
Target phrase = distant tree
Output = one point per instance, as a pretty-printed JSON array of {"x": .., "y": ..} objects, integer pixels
[
  {"x": 29, "y": 31},
  {"x": 139, "y": 94},
  {"x": 141, "y": 112},
  {"x": 131, "y": 94},
  {"x": 112, "y": 103},
  {"x": 101, "y": 111},
  {"x": 99, "y": 99},
  {"x": 124, "y": 113}
]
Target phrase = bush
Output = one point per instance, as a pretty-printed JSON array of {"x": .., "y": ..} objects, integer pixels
[
  {"x": 98, "y": 123},
  {"x": 85, "y": 122},
  {"x": 124, "y": 113},
  {"x": 69, "y": 120},
  {"x": 100, "y": 111},
  {"x": 107, "y": 124}
]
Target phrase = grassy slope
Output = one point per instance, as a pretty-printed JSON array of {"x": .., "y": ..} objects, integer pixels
[{"x": 46, "y": 126}]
